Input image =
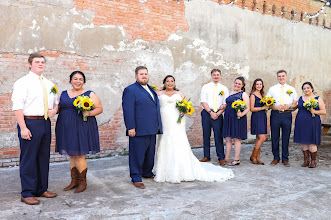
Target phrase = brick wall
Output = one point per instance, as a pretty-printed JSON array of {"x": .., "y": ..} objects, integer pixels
[{"x": 153, "y": 21}]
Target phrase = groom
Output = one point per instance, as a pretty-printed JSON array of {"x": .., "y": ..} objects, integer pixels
[{"x": 142, "y": 119}]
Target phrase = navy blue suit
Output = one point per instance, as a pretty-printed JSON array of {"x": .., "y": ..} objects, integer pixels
[{"x": 142, "y": 113}]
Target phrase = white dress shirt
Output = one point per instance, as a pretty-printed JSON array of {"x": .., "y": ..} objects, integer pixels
[
  {"x": 28, "y": 95},
  {"x": 207, "y": 94},
  {"x": 275, "y": 92}
]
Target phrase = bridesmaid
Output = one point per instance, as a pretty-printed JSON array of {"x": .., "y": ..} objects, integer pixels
[
  {"x": 74, "y": 136},
  {"x": 258, "y": 119},
  {"x": 233, "y": 128},
  {"x": 307, "y": 129}
]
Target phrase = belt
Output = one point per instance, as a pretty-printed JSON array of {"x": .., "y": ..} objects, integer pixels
[
  {"x": 286, "y": 111},
  {"x": 34, "y": 117}
]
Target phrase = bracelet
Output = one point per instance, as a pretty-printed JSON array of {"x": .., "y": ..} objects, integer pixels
[{"x": 209, "y": 111}]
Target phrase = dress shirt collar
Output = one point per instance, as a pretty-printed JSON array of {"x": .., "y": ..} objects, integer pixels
[
  {"x": 218, "y": 84},
  {"x": 34, "y": 75},
  {"x": 280, "y": 85}
]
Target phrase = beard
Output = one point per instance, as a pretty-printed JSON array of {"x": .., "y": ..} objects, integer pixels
[{"x": 143, "y": 82}]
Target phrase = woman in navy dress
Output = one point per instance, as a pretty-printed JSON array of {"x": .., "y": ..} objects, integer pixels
[
  {"x": 308, "y": 129},
  {"x": 258, "y": 119},
  {"x": 233, "y": 128},
  {"x": 74, "y": 136}
]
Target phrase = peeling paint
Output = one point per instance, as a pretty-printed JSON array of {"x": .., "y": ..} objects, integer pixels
[{"x": 175, "y": 37}]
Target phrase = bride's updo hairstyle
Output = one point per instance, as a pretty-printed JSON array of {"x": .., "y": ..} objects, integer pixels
[{"x": 165, "y": 79}]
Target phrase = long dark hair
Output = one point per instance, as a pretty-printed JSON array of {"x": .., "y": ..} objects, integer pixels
[
  {"x": 165, "y": 79},
  {"x": 243, "y": 82},
  {"x": 254, "y": 86}
]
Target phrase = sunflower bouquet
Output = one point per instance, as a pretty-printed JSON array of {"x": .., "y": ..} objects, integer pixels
[
  {"x": 82, "y": 103},
  {"x": 267, "y": 101},
  {"x": 311, "y": 104},
  {"x": 184, "y": 106},
  {"x": 239, "y": 105}
]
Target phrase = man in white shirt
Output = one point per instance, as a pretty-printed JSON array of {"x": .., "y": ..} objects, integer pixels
[
  {"x": 212, "y": 99},
  {"x": 31, "y": 96},
  {"x": 281, "y": 116}
]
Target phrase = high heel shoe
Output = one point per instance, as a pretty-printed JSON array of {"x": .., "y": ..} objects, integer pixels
[{"x": 234, "y": 163}]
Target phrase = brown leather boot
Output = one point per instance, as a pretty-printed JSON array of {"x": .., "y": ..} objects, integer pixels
[
  {"x": 258, "y": 157},
  {"x": 305, "y": 158},
  {"x": 82, "y": 182},
  {"x": 254, "y": 155},
  {"x": 313, "y": 163},
  {"x": 74, "y": 179}
]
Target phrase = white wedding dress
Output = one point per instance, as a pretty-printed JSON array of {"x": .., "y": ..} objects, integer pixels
[{"x": 174, "y": 159}]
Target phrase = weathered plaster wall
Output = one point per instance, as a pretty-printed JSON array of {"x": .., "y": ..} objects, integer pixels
[{"x": 108, "y": 39}]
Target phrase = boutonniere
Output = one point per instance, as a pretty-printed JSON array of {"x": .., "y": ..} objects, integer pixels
[
  {"x": 54, "y": 90},
  {"x": 289, "y": 92},
  {"x": 221, "y": 93},
  {"x": 154, "y": 87}
]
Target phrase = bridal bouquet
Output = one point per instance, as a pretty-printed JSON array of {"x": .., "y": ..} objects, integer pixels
[
  {"x": 267, "y": 101},
  {"x": 239, "y": 105},
  {"x": 82, "y": 103},
  {"x": 184, "y": 106},
  {"x": 311, "y": 104}
]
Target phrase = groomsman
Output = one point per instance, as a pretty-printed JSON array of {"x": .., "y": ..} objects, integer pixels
[
  {"x": 30, "y": 105},
  {"x": 212, "y": 99},
  {"x": 141, "y": 110},
  {"x": 281, "y": 116}
]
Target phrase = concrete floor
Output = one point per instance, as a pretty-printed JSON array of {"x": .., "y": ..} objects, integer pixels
[{"x": 256, "y": 192}]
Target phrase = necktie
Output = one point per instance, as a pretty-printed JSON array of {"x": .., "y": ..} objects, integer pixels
[
  {"x": 149, "y": 91},
  {"x": 282, "y": 102},
  {"x": 45, "y": 97},
  {"x": 215, "y": 98}
]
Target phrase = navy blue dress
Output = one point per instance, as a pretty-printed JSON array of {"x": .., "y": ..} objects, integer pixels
[
  {"x": 232, "y": 126},
  {"x": 74, "y": 136},
  {"x": 258, "y": 119},
  {"x": 307, "y": 129}
]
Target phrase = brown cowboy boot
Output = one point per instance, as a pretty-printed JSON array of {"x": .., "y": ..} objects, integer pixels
[
  {"x": 258, "y": 157},
  {"x": 313, "y": 163},
  {"x": 74, "y": 179},
  {"x": 253, "y": 156},
  {"x": 82, "y": 182},
  {"x": 305, "y": 158}
]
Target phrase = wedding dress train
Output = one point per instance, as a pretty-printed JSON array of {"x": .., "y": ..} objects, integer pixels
[{"x": 174, "y": 159}]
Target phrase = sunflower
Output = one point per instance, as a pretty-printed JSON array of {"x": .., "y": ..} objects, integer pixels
[
  {"x": 221, "y": 93},
  {"x": 190, "y": 110},
  {"x": 87, "y": 103},
  {"x": 263, "y": 100},
  {"x": 54, "y": 90},
  {"x": 154, "y": 87},
  {"x": 289, "y": 92},
  {"x": 77, "y": 101},
  {"x": 234, "y": 104},
  {"x": 270, "y": 101}
]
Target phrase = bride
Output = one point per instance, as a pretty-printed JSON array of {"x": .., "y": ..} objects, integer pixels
[{"x": 174, "y": 160}]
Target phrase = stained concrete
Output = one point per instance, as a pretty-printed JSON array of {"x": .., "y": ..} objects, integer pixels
[{"x": 256, "y": 192}]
